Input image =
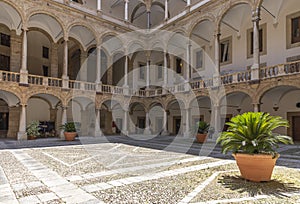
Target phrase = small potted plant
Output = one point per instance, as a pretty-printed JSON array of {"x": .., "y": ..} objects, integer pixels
[
  {"x": 32, "y": 130},
  {"x": 202, "y": 130},
  {"x": 251, "y": 139},
  {"x": 69, "y": 131}
]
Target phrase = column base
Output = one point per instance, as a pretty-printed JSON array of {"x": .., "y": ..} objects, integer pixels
[
  {"x": 147, "y": 131},
  {"x": 65, "y": 82},
  {"x": 22, "y": 136},
  {"x": 23, "y": 77},
  {"x": 186, "y": 134},
  {"x": 255, "y": 72},
  {"x": 125, "y": 133},
  {"x": 98, "y": 134},
  {"x": 61, "y": 135},
  {"x": 99, "y": 86}
]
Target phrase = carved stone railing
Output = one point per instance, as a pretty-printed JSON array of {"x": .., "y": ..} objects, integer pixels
[{"x": 9, "y": 76}]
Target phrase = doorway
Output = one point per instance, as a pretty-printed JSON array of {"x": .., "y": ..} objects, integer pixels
[
  {"x": 177, "y": 124},
  {"x": 141, "y": 124},
  {"x": 294, "y": 129}
]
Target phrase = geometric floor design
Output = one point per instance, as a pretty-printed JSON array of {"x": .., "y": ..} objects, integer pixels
[{"x": 124, "y": 170}]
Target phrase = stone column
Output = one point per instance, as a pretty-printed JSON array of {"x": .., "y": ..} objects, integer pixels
[
  {"x": 148, "y": 19},
  {"x": 165, "y": 70},
  {"x": 165, "y": 124},
  {"x": 216, "y": 79},
  {"x": 65, "y": 78},
  {"x": 22, "y": 124},
  {"x": 148, "y": 74},
  {"x": 98, "y": 69},
  {"x": 98, "y": 123},
  {"x": 256, "y": 53},
  {"x": 126, "y": 72},
  {"x": 99, "y": 5},
  {"x": 187, "y": 132},
  {"x": 147, "y": 130},
  {"x": 54, "y": 60},
  {"x": 63, "y": 120},
  {"x": 24, "y": 71},
  {"x": 188, "y": 2},
  {"x": 125, "y": 123},
  {"x": 216, "y": 114},
  {"x": 126, "y": 10},
  {"x": 15, "y": 51},
  {"x": 166, "y": 10},
  {"x": 188, "y": 61},
  {"x": 256, "y": 107}
]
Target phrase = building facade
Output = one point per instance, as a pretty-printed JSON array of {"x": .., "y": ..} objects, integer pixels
[{"x": 146, "y": 67}]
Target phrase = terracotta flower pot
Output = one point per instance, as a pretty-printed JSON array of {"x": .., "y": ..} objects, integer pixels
[
  {"x": 257, "y": 167},
  {"x": 201, "y": 138},
  {"x": 31, "y": 137},
  {"x": 70, "y": 136}
]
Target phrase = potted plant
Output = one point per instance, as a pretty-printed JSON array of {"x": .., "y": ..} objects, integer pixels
[
  {"x": 251, "y": 139},
  {"x": 69, "y": 131},
  {"x": 202, "y": 130},
  {"x": 32, "y": 130}
]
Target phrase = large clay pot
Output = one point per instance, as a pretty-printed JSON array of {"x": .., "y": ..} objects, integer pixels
[
  {"x": 70, "y": 136},
  {"x": 257, "y": 167},
  {"x": 201, "y": 138},
  {"x": 31, "y": 137}
]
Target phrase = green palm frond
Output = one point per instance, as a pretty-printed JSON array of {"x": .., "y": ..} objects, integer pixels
[{"x": 252, "y": 133}]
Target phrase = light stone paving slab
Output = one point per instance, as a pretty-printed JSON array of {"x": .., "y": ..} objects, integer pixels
[
  {"x": 6, "y": 193},
  {"x": 138, "y": 179},
  {"x": 29, "y": 199},
  {"x": 133, "y": 169},
  {"x": 66, "y": 191},
  {"x": 47, "y": 197}
]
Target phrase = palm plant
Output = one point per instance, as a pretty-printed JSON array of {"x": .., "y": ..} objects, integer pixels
[
  {"x": 69, "y": 127},
  {"x": 252, "y": 133},
  {"x": 202, "y": 127}
]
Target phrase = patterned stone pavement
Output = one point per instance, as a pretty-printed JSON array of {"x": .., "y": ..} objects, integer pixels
[{"x": 124, "y": 170}]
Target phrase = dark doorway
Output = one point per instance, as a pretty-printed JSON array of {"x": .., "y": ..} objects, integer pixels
[
  {"x": 177, "y": 124},
  {"x": 296, "y": 128},
  {"x": 141, "y": 122},
  {"x": 4, "y": 124}
]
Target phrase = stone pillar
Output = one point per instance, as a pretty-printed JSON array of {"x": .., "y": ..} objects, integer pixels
[
  {"x": 256, "y": 53},
  {"x": 166, "y": 10},
  {"x": 22, "y": 124},
  {"x": 126, "y": 72},
  {"x": 216, "y": 114},
  {"x": 126, "y": 10},
  {"x": 125, "y": 123},
  {"x": 63, "y": 120},
  {"x": 65, "y": 77},
  {"x": 148, "y": 19},
  {"x": 98, "y": 131},
  {"x": 188, "y": 2},
  {"x": 99, "y": 5},
  {"x": 165, "y": 70},
  {"x": 148, "y": 74},
  {"x": 54, "y": 60},
  {"x": 13, "y": 124},
  {"x": 187, "y": 132},
  {"x": 15, "y": 51},
  {"x": 256, "y": 107},
  {"x": 216, "y": 75},
  {"x": 24, "y": 71},
  {"x": 165, "y": 124},
  {"x": 188, "y": 61},
  {"x": 98, "y": 64},
  {"x": 147, "y": 130}
]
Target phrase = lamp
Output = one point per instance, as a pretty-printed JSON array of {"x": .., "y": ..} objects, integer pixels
[{"x": 275, "y": 107}]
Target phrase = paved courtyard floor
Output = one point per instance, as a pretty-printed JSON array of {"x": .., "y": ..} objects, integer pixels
[{"x": 119, "y": 169}]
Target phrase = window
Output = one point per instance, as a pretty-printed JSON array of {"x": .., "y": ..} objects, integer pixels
[
  {"x": 4, "y": 62},
  {"x": 226, "y": 51},
  {"x": 262, "y": 41},
  {"x": 293, "y": 30},
  {"x": 45, "y": 52},
  {"x": 159, "y": 71},
  {"x": 45, "y": 71},
  {"x": 199, "y": 59},
  {"x": 142, "y": 71},
  {"x": 179, "y": 65},
  {"x": 5, "y": 39}
]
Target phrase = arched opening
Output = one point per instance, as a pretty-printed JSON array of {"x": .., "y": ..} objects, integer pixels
[
  {"x": 137, "y": 114},
  {"x": 175, "y": 114},
  {"x": 112, "y": 116},
  {"x": 45, "y": 109},
  {"x": 284, "y": 101}
]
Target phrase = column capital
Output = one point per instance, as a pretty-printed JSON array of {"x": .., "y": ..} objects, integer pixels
[{"x": 24, "y": 28}]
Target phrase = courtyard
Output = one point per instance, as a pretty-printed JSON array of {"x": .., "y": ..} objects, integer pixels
[{"x": 119, "y": 169}]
